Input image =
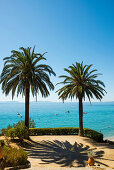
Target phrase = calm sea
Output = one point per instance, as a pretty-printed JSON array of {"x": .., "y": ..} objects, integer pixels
[{"x": 100, "y": 116}]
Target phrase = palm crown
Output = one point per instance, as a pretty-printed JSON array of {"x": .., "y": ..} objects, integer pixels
[
  {"x": 22, "y": 68},
  {"x": 81, "y": 82}
]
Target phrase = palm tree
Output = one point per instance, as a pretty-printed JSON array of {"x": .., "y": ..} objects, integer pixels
[
  {"x": 22, "y": 73},
  {"x": 81, "y": 82}
]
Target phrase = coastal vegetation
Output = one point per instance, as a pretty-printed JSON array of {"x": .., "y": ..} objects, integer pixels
[
  {"x": 11, "y": 156},
  {"x": 66, "y": 131},
  {"x": 81, "y": 82},
  {"x": 23, "y": 73},
  {"x": 14, "y": 156},
  {"x": 18, "y": 130}
]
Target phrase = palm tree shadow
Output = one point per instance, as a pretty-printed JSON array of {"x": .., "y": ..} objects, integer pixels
[
  {"x": 62, "y": 153},
  {"x": 105, "y": 144}
]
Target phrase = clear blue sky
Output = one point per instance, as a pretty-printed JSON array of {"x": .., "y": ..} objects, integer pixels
[{"x": 69, "y": 30}]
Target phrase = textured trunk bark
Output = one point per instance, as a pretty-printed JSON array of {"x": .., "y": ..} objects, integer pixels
[
  {"x": 27, "y": 105},
  {"x": 81, "y": 133}
]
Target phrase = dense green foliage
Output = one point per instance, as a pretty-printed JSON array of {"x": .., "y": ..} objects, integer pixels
[
  {"x": 11, "y": 133},
  {"x": 21, "y": 131},
  {"x": 21, "y": 68},
  {"x": 93, "y": 134},
  {"x": 80, "y": 82},
  {"x": 66, "y": 131},
  {"x": 14, "y": 156},
  {"x": 18, "y": 129}
]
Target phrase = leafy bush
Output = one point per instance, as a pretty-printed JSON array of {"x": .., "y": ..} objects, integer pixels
[
  {"x": 18, "y": 130},
  {"x": 66, "y": 131},
  {"x": 53, "y": 131},
  {"x": 4, "y": 131},
  {"x": 93, "y": 134},
  {"x": 11, "y": 133},
  {"x": 14, "y": 156},
  {"x": 21, "y": 131}
]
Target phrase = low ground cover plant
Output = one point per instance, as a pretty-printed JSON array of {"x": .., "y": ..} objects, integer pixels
[{"x": 14, "y": 156}]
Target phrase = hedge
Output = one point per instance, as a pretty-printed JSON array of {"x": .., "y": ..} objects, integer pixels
[{"x": 66, "y": 131}]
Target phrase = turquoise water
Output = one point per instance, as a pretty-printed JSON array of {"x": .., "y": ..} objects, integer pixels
[{"x": 100, "y": 116}]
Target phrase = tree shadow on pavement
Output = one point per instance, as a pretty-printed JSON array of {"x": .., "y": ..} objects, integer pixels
[{"x": 104, "y": 144}]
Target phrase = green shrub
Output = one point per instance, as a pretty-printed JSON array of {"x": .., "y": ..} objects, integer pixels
[
  {"x": 17, "y": 130},
  {"x": 11, "y": 133},
  {"x": 14, "y": 156},
  {"x": 53, "y": 131},
  {"x": 4, "y": 132},
  {"x": 66, "y": 131},
  {"x": 93, "y": 134},
  {"x": 21, "y": 131}
]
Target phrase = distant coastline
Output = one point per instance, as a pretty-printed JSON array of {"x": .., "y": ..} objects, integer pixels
[{"x": 57, "y": 102}]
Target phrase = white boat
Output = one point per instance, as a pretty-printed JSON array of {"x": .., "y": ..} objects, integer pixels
[{"x": 19, "y": 115}]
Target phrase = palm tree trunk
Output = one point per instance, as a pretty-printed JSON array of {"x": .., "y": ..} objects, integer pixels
[
  {"x": 81, "y": 133},
  {"x": 27, "y": 105}
]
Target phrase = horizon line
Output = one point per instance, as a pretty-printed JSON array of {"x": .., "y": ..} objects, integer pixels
[{"x": 56, "y": 101}]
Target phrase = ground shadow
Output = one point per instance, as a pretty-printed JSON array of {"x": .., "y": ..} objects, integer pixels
[
  {"x": 62, "y": 153},
  {"x": 109, "y": 145}
]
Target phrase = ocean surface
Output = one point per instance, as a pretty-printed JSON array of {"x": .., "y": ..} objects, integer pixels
[{"x": 100, "y": 115}]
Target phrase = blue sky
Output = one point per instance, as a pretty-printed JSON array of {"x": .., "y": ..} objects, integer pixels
[{"x": 69, "y": 30}]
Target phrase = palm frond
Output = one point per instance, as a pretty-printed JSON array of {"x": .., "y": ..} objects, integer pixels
[
  {"x": 23, "y": 67},
  {"x": 81, "y": 81}
]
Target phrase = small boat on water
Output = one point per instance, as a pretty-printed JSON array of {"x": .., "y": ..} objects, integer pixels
[
  {"x": 19, "y": 115},
  {"x": 84, "y": 112},
  {"x": 67, "y": 111}
]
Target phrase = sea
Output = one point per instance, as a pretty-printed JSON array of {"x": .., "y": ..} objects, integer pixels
[{"x": 98, "y": 116}]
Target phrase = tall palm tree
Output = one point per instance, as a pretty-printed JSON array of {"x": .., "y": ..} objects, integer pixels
[
  {"x": 22, "y": 73},
  {"x": 80, "y": 82}
]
